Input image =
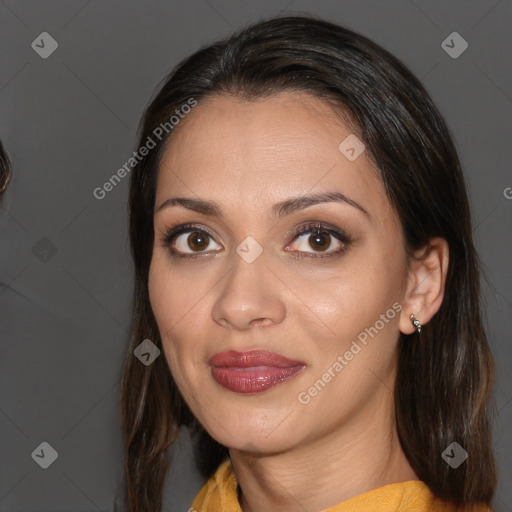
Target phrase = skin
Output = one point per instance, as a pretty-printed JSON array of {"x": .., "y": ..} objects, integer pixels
[{"x": 246, "y": 156}]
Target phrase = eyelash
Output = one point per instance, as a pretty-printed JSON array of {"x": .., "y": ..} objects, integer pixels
[{"x": 310, "y": 228}]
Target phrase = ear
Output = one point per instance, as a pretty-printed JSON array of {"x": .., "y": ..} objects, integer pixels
[{"x": 426, "y": 280}]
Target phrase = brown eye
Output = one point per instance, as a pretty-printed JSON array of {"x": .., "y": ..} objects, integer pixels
[
  {"x": 313, "y": 239},
  {"x": 197, "y": 240},
  {"x": 320, "y": 240},
  {"x": 195, "y": 243}
]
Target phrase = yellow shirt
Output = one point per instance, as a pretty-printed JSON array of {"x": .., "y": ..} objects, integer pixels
[{"x": 218, "y": 494}]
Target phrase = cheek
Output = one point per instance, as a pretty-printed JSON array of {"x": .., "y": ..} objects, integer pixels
[
  {"x": 356, "y": 310},
  {"x": 179, "y": 310},
  {"x": 162, "y": 296},
  {"x": 168, "y": 309},
  {"x": 171, "y": 295},
  {"x": 347, "y": 300}
]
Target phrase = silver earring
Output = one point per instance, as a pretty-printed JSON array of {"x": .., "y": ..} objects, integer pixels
[{"x": 416, "y": 323}]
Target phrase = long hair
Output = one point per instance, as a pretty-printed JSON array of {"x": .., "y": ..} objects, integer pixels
[
  {"x": 445, "y": 376},
  {"x": 5, "y": 169}
]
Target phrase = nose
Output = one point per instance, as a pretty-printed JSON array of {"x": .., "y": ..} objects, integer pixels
[{"x": 249, "y": 295}]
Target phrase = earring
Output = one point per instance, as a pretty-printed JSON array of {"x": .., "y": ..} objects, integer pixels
[{"x": 416, "y": 323}]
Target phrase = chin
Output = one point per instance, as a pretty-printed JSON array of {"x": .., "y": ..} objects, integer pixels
[
  {"x": 255, "y": 443},
  {"x": 256, "y": 431}
]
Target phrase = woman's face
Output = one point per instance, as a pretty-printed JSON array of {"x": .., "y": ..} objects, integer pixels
[{"x": 329, "y": 302}]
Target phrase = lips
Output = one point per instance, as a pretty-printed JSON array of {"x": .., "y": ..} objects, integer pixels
[{"x": 254, "y": 371}]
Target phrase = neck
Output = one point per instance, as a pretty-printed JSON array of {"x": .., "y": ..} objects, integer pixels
[{"x": 349, "y": 461}]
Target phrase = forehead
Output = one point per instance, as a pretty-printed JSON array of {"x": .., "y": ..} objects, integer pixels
[{"x": 265, "y": 150}]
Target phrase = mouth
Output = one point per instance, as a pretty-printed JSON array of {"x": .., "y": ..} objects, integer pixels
[{"x": 254, "y": 371}]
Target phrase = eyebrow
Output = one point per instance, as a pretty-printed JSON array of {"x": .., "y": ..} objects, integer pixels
[{"x": 280, "y": 209}]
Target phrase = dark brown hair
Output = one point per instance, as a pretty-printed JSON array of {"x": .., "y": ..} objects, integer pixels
[
  {"x": 5, "y": 170},
  {"x": 444, "y": 377}
]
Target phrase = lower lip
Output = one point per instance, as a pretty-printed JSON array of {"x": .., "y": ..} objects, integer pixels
[{"x": 253, "y": 380}]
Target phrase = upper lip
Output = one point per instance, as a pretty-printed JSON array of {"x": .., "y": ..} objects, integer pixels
[{"x": 232, "y": 358}]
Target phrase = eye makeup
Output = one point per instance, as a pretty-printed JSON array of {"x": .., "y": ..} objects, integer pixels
[{"x": 320, "y": 230}]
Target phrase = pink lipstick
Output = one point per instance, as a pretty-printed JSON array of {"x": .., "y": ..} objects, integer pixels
[{"x": 254, "y": 371}]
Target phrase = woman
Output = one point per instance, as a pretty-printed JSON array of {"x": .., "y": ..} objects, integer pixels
[{"x": 304, "y": 262}]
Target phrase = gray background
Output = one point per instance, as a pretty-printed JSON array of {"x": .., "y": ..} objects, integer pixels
[{"x": 69, "y": 123}]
